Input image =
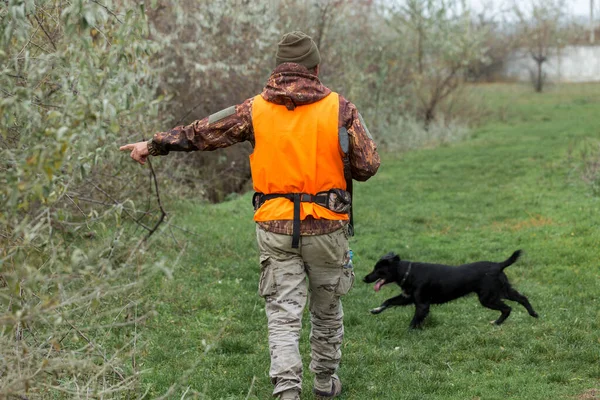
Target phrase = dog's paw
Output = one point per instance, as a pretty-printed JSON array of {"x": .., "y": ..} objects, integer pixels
[{"x": 377, "y": 310}]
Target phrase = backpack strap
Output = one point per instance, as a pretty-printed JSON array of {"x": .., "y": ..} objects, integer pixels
[{"x": 345, "y": 146}]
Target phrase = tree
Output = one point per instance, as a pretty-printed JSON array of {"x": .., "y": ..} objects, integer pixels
[
  {"x": 543, "y": 32},
  {"x": 499, "y": 42},
  {"x": 445, "y": 45}
]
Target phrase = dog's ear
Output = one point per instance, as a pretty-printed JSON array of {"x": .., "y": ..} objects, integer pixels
[{"x": 391, "y": 256}]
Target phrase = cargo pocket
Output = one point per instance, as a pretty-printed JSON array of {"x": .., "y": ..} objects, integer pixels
[
  {"x": 346, "y": 281},
  {"x": 346, "y": 277},
  {"x": 266, "y": 285}
]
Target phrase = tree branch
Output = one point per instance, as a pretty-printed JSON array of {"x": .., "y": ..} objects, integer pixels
[
  {"x": 117, "y": 203},
  {"x": 111, "y": 12},
  {"x": 189, "y": 112},
  {"x": 44, "y": 30}
]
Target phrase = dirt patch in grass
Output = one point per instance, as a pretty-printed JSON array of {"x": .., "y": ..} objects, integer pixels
[
  {"x": 534, "y": 221},
  {"x": 591, "y": 394}
]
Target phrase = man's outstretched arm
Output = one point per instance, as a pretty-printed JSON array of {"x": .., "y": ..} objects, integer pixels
[{"x": 222, "y": 129}]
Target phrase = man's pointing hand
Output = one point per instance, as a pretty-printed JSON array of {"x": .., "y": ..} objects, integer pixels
[{"x": 139, "y": 151}]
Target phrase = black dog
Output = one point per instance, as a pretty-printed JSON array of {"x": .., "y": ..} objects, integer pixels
[{"x": 425, "y": 284}]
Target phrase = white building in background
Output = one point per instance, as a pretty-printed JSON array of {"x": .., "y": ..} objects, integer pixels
[{"x": 570, "y": 64}]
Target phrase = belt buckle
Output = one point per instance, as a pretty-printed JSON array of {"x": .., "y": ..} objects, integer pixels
[{"x": 305, "y": 198}]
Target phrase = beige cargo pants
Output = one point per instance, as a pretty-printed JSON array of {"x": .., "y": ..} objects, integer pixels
[{"x": 323, "y": 259}]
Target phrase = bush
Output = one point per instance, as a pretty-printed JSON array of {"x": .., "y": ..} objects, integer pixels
[{"x": 76, "y": 80}]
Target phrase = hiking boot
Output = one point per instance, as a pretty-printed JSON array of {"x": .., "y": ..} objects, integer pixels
[
  {"x": 336, "y": 389},
  {"x": 289, "y": 395}
]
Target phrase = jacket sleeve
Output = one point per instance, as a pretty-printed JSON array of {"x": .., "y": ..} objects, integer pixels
[
  {"x": 229, "y": 126},
  {"x": 364, "y": 159}
]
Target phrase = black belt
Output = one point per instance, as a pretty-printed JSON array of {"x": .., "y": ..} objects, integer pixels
[{"x": 321, "y": 198}]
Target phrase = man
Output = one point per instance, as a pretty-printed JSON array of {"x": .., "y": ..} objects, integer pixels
[{"x": 309, "y": 143}]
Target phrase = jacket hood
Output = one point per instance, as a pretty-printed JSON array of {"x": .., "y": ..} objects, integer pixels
[{"x": 293, "y": 85}]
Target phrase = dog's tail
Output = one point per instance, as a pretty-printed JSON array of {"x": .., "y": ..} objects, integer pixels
[{"x": 511, "y": 260}]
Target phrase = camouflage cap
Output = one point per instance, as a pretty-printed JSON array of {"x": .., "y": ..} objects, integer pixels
[{"x": 297, "y": 47}]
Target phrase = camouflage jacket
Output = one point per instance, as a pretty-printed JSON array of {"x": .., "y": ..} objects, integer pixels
[{"x": 290, "y": 85}]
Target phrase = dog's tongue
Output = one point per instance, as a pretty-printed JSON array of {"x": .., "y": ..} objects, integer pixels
[{"x": 379, "y": 284}]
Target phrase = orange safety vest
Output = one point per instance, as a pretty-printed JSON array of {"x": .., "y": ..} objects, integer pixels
[{"x": 296, "y": 151}]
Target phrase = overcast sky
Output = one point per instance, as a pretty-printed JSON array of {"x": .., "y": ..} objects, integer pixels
[
  {"x": 577, "y": 7},
  {"x": 582, "y": 7}
]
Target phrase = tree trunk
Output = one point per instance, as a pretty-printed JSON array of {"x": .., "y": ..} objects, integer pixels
[
  {"x": 539, "y": 78},
  {"x": 429, "y": 116},
  {"x": 420, "y": 47},
  {"x": 592, "y": 27},
  {"x": 539, "y": 84}
]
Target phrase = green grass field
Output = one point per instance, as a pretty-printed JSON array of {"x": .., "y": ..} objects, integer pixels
[{"x": 515, "y": 184}]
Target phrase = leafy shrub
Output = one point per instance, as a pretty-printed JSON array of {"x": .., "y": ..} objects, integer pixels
[{"x": 76, "y": 80}]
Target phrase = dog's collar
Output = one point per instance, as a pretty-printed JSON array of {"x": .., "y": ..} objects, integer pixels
[{"x": 406, "y": 273}]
